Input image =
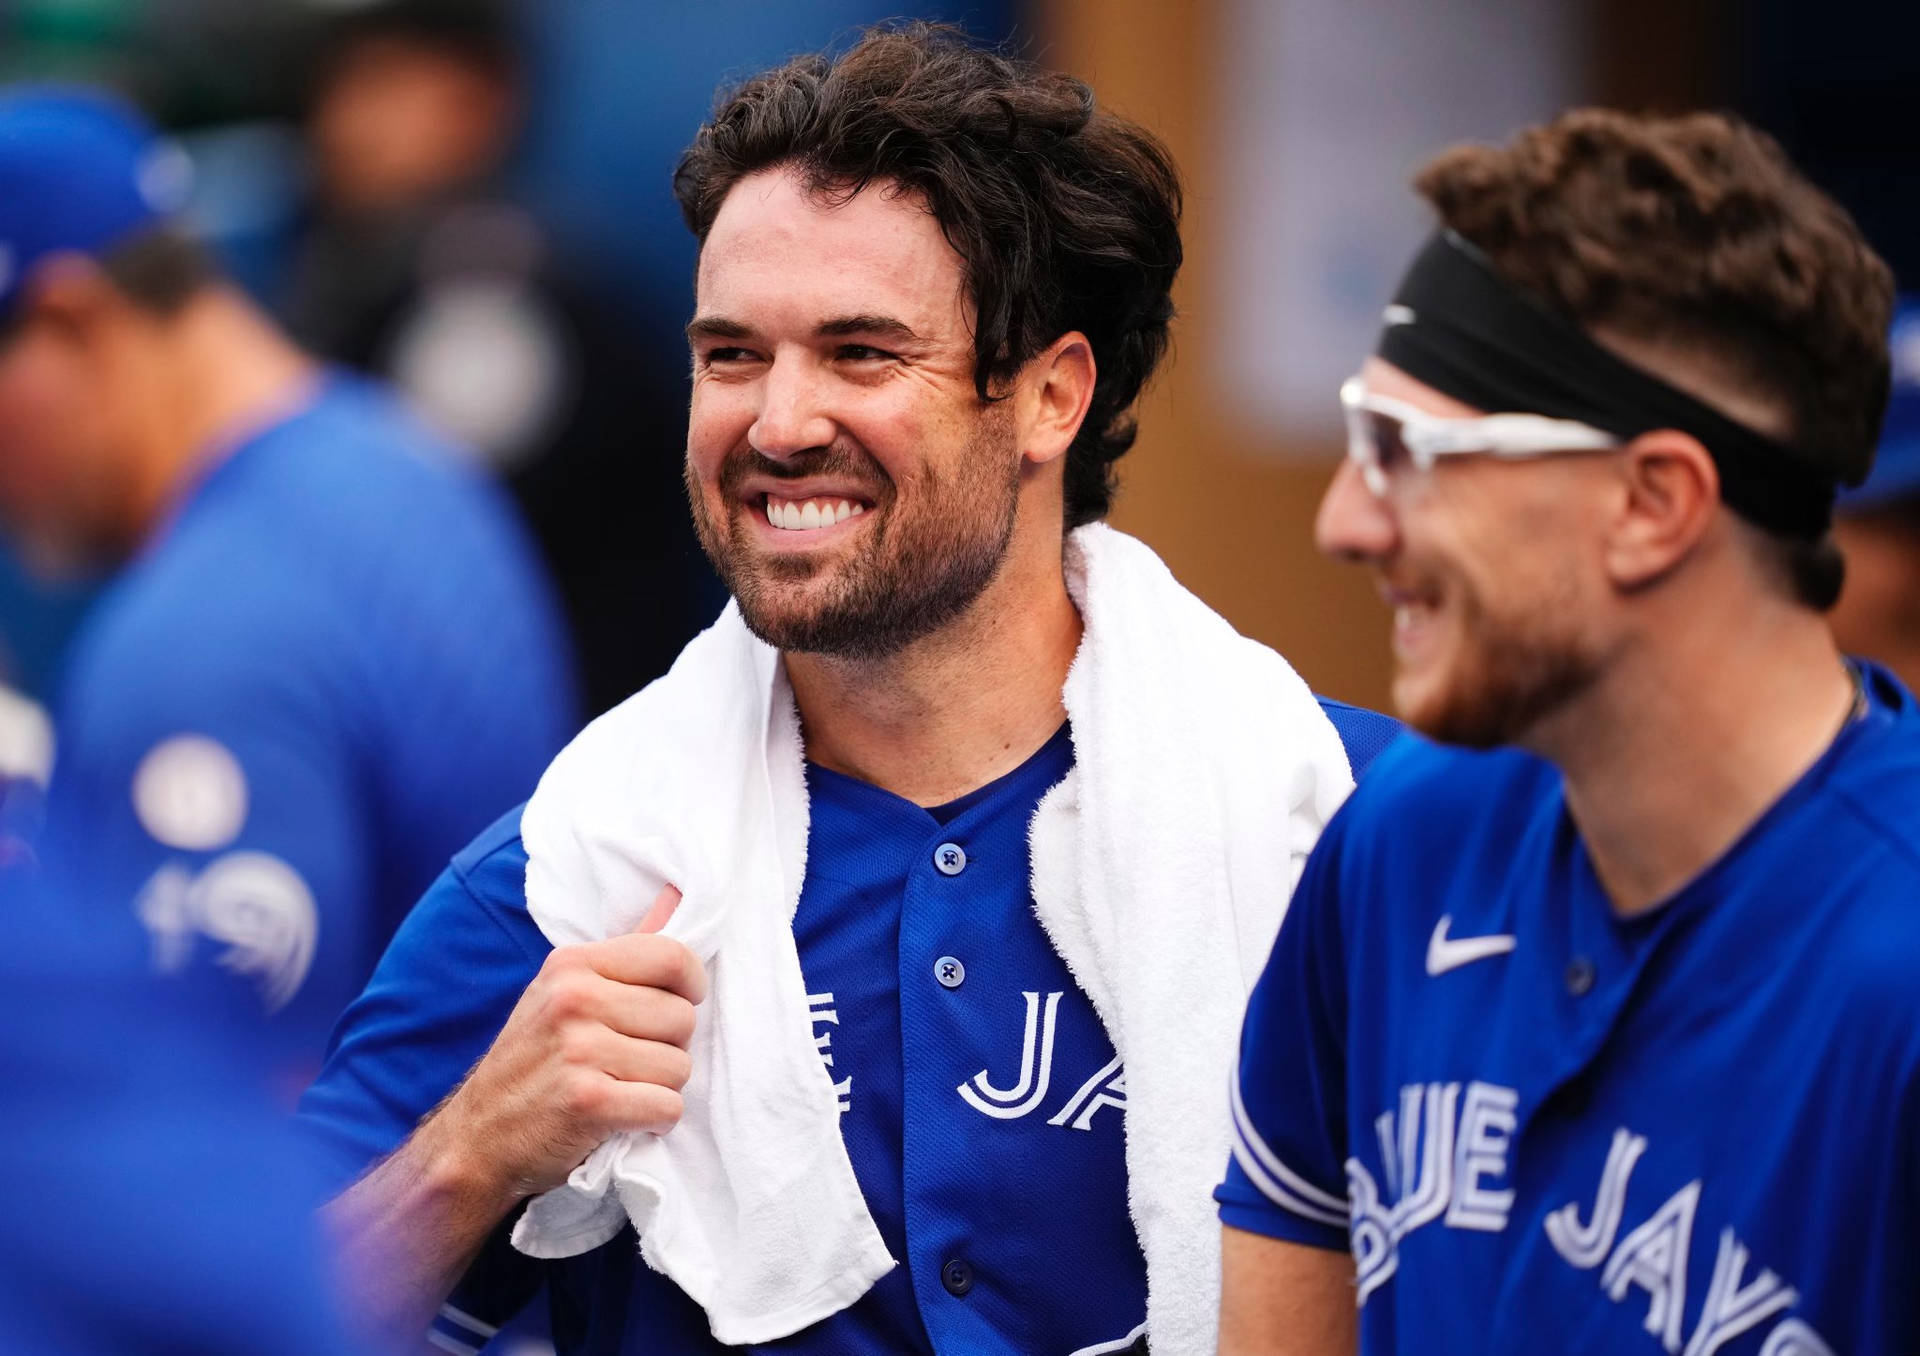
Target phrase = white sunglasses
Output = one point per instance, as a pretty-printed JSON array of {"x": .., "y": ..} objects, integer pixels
[{"x": 1385, "y": 435}]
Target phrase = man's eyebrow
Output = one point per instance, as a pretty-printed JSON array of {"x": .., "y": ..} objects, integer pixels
[
  {"x": 715, "y": 327},
  {"x": 878, "y": 326}
]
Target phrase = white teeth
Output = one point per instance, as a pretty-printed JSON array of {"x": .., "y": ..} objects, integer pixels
[{"x": 811, "y": 513}]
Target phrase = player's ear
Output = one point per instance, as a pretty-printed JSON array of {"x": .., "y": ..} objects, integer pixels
[
  {"x": 72, "y": 297},
  {"x": 1054, "y": 391},
  {"x": 1669, "y": 492}
]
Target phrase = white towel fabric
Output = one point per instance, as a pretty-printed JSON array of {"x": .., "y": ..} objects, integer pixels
[{"x": 1204, "y": 771}]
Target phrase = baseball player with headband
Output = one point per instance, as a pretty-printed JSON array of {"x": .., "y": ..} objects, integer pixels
[{"x": 1594, "y": 1026}]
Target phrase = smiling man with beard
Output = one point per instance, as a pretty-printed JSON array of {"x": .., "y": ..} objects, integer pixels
[
  {"x": 1598, "y": 1032},
  {"x": 828, "y": 969}
]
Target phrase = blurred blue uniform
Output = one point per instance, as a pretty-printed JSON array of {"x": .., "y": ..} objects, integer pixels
[
  {"x": 323, "y": 674},
  {"x": 979, "y": 1091},
  {"x": 1539, "y": 1126},
  {"x": 154, "y": 1202},
  {"x": 1895, "y": 478}
]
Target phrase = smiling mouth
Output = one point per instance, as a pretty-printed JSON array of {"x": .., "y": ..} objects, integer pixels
[
  {"x": 802, "y": 515},
  {"x": 1414, "y": 614}
]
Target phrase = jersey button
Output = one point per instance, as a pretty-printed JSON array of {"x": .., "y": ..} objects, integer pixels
[
  {"x": 1579, "y": 976},
  {"x": 956, "y": 1276},
  {"x": 950, "y": 859},
  {"x": 950, "y": 972}
]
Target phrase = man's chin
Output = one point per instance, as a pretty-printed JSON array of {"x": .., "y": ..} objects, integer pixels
[{"x": 1452, "y": 712}]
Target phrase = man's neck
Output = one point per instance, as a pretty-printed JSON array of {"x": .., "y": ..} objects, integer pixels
[
  {"x": 1690, "y": 738},
  {"x": 220, "y": 372},
  {"x": 957, "y": 709}
]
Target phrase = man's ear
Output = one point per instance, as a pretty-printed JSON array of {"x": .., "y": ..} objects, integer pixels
[
  {"x": 71, "y": 294},
  {"x": 1056, "y": 388},
  {"x": 1671, "y": 491}
]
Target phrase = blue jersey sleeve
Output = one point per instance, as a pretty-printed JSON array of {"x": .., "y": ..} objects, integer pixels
[
  {"x": 1287, "y": 1178},
  {"x": 1364, "y": 734},
  {"x": 435, "y": 1003}
]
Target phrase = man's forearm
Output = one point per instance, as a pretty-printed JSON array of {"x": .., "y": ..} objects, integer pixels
[
  {"x": 410, "y": 1228},
  {"x": 1284, "y": 1299}
]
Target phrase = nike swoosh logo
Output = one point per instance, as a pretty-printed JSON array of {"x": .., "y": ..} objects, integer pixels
[{"x": 1449, "y": 953}]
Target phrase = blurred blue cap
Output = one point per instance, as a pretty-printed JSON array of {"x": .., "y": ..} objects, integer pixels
[
  {"x": 79, "y": 171},
  {"x": 1896, "y": 465}
]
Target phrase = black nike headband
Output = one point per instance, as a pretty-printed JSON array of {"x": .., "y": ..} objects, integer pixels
[{"x": 1459, "y": 327}]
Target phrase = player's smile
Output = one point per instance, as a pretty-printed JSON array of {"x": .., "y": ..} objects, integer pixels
[
  {"x": 791, "y": 514},
  {"x": 811, "y": 514},
  {"x": 1417, "y": 616}
]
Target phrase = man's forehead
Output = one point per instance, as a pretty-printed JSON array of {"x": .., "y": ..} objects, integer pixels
[{"x": 879, "y": 251}]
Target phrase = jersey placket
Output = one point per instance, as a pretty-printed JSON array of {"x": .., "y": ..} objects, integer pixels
[{"x": 961, "y": 894}]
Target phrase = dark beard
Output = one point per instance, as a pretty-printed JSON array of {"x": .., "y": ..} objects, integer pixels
[
  {"x": 1520, "y": 674},
  {"x": 918, "y": 569}
]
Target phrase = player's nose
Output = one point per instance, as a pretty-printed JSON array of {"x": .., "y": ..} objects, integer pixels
[
  {"x": 792, "y": 417},
  {"x": 1354, "y": 523}
]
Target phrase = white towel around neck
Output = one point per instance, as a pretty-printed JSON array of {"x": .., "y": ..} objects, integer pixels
[{"x": 1204, "y": 771}]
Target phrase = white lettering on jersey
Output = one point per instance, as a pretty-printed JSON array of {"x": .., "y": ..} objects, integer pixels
[
  {"x": 1732, "y": 1308},
  {"x": 1108, "y": 1087},
  {"x": 1436, "y": 1163},
  {"x": 1036, "y": 1068},
  {"x": 253, "y": 902},
  {"x": 1586, "y": 1245},
  {"x": 1794, "y": 1338},
  {"x": 1486, "y": 1134},
  {"x": 1655, "y": 1255},
  {"x": 820, "y": 1007}
]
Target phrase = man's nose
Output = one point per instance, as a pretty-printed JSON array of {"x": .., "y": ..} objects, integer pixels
[
  {"x": 1354, "y": 523},
  {"x": 792, "y": 417}
]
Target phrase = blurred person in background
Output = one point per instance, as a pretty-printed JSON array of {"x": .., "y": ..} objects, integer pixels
[
  {"x": 1878, "y": 524},
  {"x": 156, "y": 1203},
  {"x": 417, "y": 264},
  {"x": 329, "y": 653}
]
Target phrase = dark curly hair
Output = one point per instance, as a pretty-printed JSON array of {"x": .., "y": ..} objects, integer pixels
[
  {"x": 1696, "y": 232},
  {"x": 1065, "y": 217}
]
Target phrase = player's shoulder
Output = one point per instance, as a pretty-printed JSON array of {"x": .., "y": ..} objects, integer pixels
[
  {"x": 350, "y": 535},
  {"x": 1432, "y": 790},
  {"x": 1364, "y": 734},
  {"x": 493, "y": 867},
  {"x": 1429, "y": 821},
  {"x": 1878, "y": 779},
  {"x": 356, "y": 469}
]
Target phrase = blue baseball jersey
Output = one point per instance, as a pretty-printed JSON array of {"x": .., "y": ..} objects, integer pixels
[
  {"x": 155, "y": 1203},
  {"x": 322, "y": 675},
  {"x": 981, "y": 1100},
  {"x": 1539, "y": 1126}
]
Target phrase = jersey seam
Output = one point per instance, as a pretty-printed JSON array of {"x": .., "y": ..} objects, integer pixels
[{"x": 492, "y": 911}]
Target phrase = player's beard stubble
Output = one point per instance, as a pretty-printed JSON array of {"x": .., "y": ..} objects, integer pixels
[
  {"x": 1509, "y": 670},
  {"x": 922, "y": 559}
]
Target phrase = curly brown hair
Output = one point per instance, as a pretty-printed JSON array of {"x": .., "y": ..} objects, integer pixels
[
  {"x": 1065, "y": 216},
  {"x": 1694, "y": 233}
]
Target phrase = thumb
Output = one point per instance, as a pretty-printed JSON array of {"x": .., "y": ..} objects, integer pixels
[{"x": 663, "y": 906}]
